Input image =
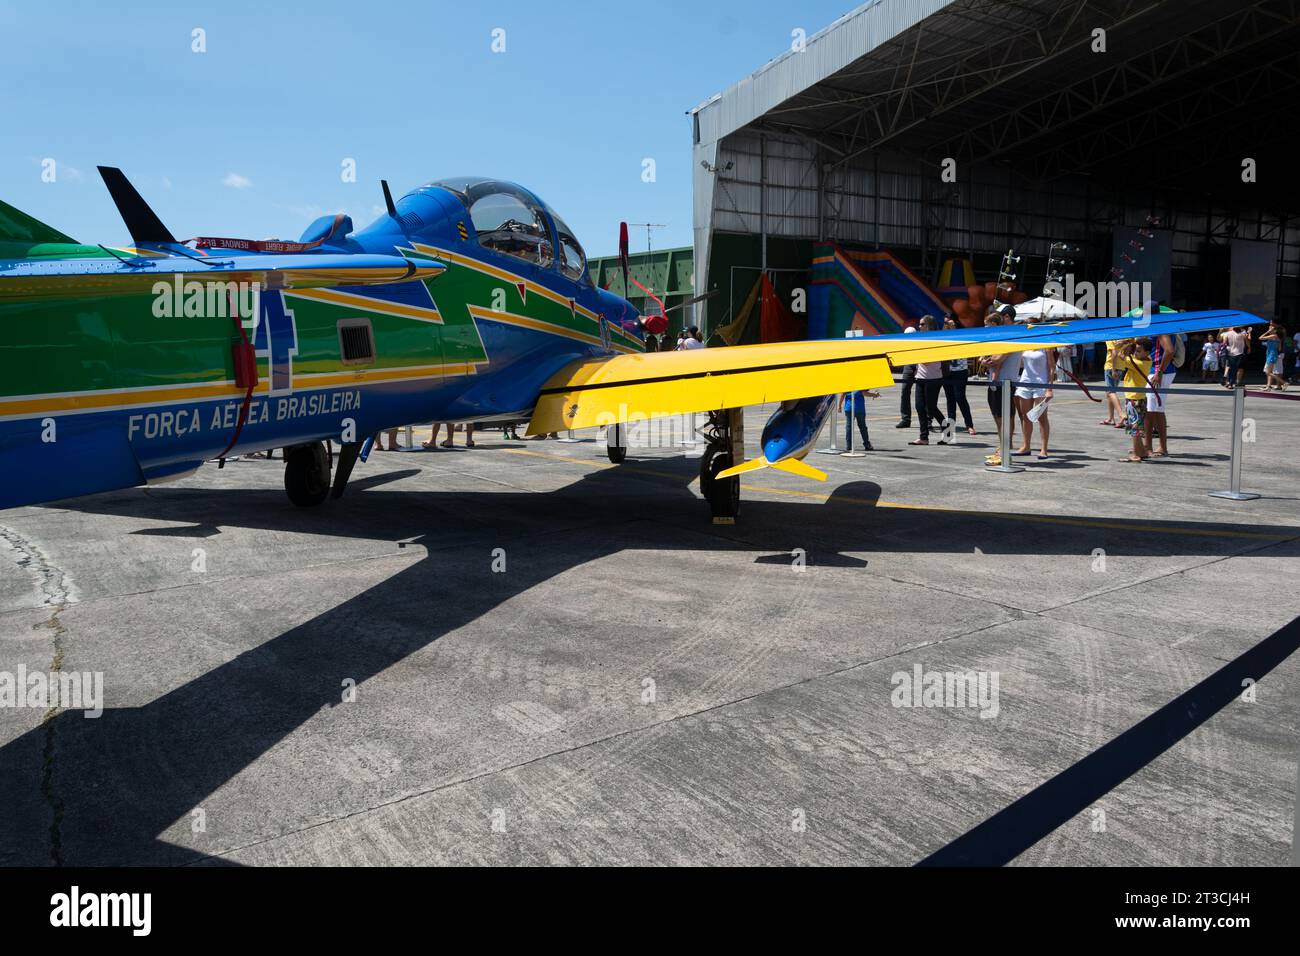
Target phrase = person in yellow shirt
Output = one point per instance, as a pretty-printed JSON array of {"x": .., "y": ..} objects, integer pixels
[
  {"x": 1134, "y": 355},
  {"x": 1114, "y": 372}
]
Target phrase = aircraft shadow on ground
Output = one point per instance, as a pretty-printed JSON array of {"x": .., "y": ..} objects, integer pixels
[{"x": 129, "y": 775}]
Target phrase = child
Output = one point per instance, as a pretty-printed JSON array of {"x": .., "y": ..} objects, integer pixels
[
  {"x": 855, "y": 407},
  {"x": 1209, "y": 359},
  {"x": 1136, "y": 357}
]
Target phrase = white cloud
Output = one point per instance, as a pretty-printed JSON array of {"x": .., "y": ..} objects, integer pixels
[
  {"x": 236, "y": 181},
  {"x": 166, "y": 183}
]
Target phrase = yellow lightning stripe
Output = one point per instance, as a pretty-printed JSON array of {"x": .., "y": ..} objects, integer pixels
[
  {"x": 368, "y": 304},
  {"x": 479, "y": 266},
  {"x": 528, "y": 322}
]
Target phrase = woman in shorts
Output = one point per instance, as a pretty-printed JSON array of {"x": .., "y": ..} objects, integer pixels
[
  {"x": 1038, "y": 368},
  {"x": 1273, "y": 340}
]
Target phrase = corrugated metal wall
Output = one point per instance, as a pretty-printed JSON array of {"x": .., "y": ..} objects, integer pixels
[{"x": 893, "y": 202}]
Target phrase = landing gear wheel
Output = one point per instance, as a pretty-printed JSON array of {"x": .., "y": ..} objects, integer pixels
[
  {"x": 616, "y": 443},
  {"x": 307, "y": 474},
  {"x": 722, "y": 494}
]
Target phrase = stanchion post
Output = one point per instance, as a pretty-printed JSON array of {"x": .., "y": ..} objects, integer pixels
[
  {"x": 1004, "y": 445},
  {"x": 832, "y": 448},
  {"x": 689, "y": 430},
  {"x": 1235, "y": 493}
]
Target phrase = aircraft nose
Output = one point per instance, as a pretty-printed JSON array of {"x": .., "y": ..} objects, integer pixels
[{"x": 776, "y": 445}]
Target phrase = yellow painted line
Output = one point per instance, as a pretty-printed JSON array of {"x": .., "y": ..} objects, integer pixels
[
  {"x": 368, "y": 304},
  {"x": 880, "y": 503}
]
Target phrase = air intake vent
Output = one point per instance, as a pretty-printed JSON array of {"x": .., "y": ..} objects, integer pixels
[
  {"x": 411, "y": 221},
  {"x": 356, "y": 342}
]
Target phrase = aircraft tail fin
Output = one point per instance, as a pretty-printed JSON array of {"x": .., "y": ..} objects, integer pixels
[
  {"x": 17, "y": 226},
  {"x": 141, "y": 221}
]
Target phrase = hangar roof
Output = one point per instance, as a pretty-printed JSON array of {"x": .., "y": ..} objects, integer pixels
[{"x": 1183, "y": 92}]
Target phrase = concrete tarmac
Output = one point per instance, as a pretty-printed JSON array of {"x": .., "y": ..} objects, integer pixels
[{"x": 521, "y": 654}]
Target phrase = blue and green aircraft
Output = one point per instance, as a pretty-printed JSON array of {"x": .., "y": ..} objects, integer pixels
[{"x": 469, "y": 299}]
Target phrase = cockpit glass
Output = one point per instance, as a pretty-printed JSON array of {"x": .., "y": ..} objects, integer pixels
[
  {"x": 506, "y": 218},
  {"x": 573, "y": 262}
]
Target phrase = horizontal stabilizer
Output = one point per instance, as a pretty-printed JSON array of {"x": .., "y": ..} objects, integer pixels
[
  {"x": 801, "y": 468},
  {"x": 17, "y": 226},
  {"x": 793, "y": 466},
  {"x": 754, "y": 464}
]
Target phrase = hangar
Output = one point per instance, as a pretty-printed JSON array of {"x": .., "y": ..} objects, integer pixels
[{"x": 1150, "y": 137}]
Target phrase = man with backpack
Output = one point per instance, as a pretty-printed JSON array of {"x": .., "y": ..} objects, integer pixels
[{"x": 1168, "y": 355}]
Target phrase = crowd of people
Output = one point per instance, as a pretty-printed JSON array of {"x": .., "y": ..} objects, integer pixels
[
  {"x": 687, "y": 339},
  {"x": 1137, "y": 372}
]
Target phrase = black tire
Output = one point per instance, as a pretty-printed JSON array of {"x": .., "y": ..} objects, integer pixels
[
  {"x": 307, "y": 474},
  {"x": 616, "y": 455},
  {"x": 723, "y": 495}
]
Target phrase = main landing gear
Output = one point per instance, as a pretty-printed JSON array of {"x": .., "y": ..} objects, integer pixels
[
  {"x": 616, "y": 444},
  {"x": 307, "y": 474},
  {"x": 725, "y": 434}
]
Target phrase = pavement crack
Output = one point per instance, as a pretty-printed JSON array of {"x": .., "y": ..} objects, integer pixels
[
  {"x": 56, "y": 594},
  {"x": 1142, "y": 582}
]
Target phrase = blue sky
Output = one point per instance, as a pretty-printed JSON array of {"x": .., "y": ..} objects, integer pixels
[{"x": 248, "y": 139}]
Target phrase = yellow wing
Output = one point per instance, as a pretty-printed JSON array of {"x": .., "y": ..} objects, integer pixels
[
  {"x": 603, "y": 391},
  {"x": 621, "y": 388}
]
